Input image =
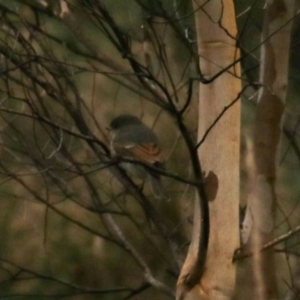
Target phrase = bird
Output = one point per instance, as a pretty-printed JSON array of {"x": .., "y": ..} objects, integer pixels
[{"x": 131, "y": 138}]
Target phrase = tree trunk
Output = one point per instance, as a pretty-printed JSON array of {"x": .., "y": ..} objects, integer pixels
[
  {"x": 219, "y": 153},
  {"x": 259, "y": 221}
]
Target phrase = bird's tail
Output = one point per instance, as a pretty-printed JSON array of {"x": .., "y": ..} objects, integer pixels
[{"x": 157, "y": 187}]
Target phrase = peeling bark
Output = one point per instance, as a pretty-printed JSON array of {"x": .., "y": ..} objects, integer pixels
[{"x": 259, "y": 221}]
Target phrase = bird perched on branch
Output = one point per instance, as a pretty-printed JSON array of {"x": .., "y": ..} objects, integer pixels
[{"x": 130, "y": 138}]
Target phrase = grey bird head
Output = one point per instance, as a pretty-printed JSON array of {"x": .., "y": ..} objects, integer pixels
[{"x": 124, "y": 120}]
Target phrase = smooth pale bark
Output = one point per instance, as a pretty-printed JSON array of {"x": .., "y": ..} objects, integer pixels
[
  {"x": 259, "y": 222},
  {"x": 215, "y": 25}
]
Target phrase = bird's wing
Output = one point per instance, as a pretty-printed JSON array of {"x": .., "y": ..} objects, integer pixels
[{"x": 147, "y": 152}]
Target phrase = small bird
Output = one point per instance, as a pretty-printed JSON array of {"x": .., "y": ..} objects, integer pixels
[{"x": 130, "y": 138}]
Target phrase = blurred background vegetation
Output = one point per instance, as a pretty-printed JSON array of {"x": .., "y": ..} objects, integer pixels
[{"x": 64, "y": 76}]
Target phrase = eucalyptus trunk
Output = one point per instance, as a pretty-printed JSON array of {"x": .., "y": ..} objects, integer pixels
[
  {"x": 258, "y": 226},
  {"x": 219, "y": 152}
]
